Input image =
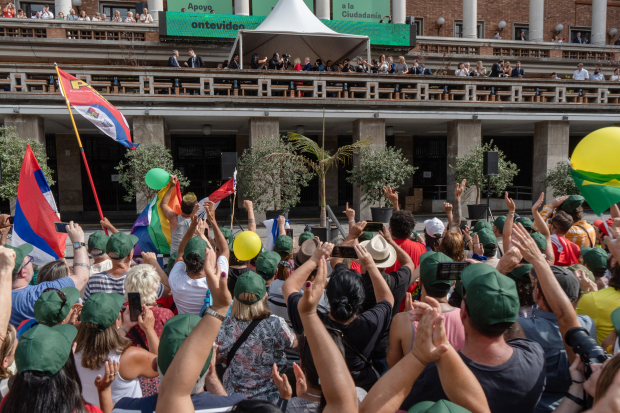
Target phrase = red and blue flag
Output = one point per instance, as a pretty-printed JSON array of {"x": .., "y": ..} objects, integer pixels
[
  {"x": 94, "y": 107},
  {"x": 36, "y": 213}
]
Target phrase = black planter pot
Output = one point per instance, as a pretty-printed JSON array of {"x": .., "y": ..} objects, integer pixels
[
  {"x": 381, "y": 214},
  {"x": 325, "y": 233},
  {"x": 275, "y": 214},
  {"x": 477, "y": 212}
]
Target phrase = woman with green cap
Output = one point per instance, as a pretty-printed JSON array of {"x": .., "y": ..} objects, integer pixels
[{"x": 249, "y": 368}]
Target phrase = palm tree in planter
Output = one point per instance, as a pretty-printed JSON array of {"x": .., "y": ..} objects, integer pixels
[{"x": 319, "y": 160}]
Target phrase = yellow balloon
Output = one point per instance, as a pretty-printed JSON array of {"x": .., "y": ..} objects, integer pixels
[
  {"x": 598, "y": 152},
  {"x": 247, "y": 245}
]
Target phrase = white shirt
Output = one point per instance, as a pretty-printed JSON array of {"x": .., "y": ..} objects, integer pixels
[
  {"x": 189, "y": 294},
  {"x": 580, "y": 75},
  {"x": 461, "y": 72},
  {"x": 146, "y": 18},
  {"x": 101, "y": 267},
  {"x": 47, "y": 15},
  {"x": 86, "y": 19},
  {"x": 613, "y": 77}
]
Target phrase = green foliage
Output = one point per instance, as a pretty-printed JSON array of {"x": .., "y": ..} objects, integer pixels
[
  {"x": 560, "y": 180},
  {"x": 272, "y": 183},
  {"x": 138, "y": 162},
  {"x": 379, "y": 167},
  {"x": 12, "y": 151},
  {"x": 470, "y": 167}
]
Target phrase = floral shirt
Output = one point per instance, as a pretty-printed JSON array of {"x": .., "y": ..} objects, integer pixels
[{"x": 249, "y": 373}]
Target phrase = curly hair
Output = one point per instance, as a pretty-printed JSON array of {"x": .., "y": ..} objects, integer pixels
[
  {"x": 402, "y": 224},
  {"x": 453, "y": 245},
  {"x": 143, "y": 279},
  {"x": 193, "y": 263}
]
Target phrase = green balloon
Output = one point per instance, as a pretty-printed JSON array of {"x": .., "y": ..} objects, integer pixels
[{"x": 157, "y": 178}]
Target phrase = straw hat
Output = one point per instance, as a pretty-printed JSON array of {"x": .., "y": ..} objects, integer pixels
[{"x": 382, "y": 253}]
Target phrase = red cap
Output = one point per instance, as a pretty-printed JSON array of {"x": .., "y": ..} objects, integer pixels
[{"x": 599, "y": 224}]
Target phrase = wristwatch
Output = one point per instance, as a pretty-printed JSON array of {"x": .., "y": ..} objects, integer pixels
[
  {"x": 77, "y": 245},
  {"x": 214, "y": 314}
]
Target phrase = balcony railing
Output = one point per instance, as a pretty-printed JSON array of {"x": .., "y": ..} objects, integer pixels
[{"x": 80, "y": 30}]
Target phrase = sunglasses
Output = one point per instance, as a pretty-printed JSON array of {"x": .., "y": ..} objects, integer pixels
[
  {"x": 61, "y": 295},
  {"x": 30, "y": 259}
]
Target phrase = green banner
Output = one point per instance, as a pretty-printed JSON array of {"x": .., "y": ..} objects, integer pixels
[
  {"x": 264, "y": 7},
  {"x": 202, "y": 6},
  {"x": 360, "y": 10},
  {"x": 227, "y": 26}
]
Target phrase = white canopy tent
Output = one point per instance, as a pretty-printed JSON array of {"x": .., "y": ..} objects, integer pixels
[{"x": 293, "y": 29}]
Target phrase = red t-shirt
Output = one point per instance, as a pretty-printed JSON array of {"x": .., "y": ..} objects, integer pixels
[
  {"x": 8, "y": 13},
  {"x": 89, "y": 407},
  {"x": 570, "y": 251},
  {"x": 412, "y": 248}
]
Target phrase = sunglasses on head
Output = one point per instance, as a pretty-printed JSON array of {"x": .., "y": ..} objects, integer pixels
[{"x": 61, "y": 295}]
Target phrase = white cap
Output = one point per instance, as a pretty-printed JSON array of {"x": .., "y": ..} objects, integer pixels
[{"x": 434, "y": 227}]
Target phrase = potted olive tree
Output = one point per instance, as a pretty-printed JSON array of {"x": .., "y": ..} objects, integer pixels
[
  {"x": 274, "y": 187},
  {"x": 379, "y": 167},
  {"x": 470, "y": 167}
]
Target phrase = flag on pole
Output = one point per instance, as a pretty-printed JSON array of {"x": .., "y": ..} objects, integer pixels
[
  {"x": 152, "y": 227},
  {"x": 36, "y": 213},
  {"x": 229, "y": 188},
  {"x": 94, "y": 107},
  {"x": 600, "y": 191}
]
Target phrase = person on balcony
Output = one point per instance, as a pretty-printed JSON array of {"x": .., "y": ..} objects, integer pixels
[
  {"x": 522, "y": 36},
  {"x": 46, "y": 13},
  {"x": 173, "y": 60},
  {"x": 496, "y": 36},
  {"x": 234, "y": 63},
  {"x": 578, "y": 39},
  {"x": 117, "y": 17},
  {"x": 9, "y": 10},
  {"x": 401, "y": 67},
  {"x": 383, "y": 65},
  {"x": 83, "y": 16},
  {"x": 597, "y": 75},
  {"x": 96, "y": 17},
  {"x": 147, "y": 18},
  {"x": 518, "y": 71},
  {"x": 21, "y": 14},
  {"x": 72, "y": 15},
  {"x": 614, "y": 77},
  {"x": 507, "y": 70},
  {"x": 461, "y": 71},
  {"x": 129, "y": 18},
  {"x": 580, "y": 73},
  {"x": 497, "y": 68},
  {"x": 193, "y": 61},
  {"x": 307, "y": 65},
  {"x": 479, "y": 70},
  {"x": 61, "y": 16}
]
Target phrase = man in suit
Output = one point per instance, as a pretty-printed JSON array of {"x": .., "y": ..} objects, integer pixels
[
  {"x": 234, "y": 63},
  {"x": 522, "y": 36},
  {"x": 416, "y": 69},
  {"x": 578, "y": 39},
  {"x": 172, "y": 60},
  {"x": 307, "y": 66},
  {"x": 194, "y": 61},
  {"x": 518, "y": 71},
  {"x": 426, "y": 71},
  {"x": 497, "y": 68}
]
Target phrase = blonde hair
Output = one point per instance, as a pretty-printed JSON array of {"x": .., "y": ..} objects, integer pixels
[
  {"x": 143, "y": 279},
  {"x": 401, "y": 59},
  {"x": 190, "y": 197},
  {"x": 479, "y": 65},
  {"x": 256, "y": 311},
  {"x": 297, "y": 60},
  {"x": 6, "y": 349}
]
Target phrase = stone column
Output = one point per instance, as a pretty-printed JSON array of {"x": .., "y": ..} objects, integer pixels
[
  {"x": 364, "y": 128},
  {"x": 69, "y": 169},
  {"x": 64, "y": 6},
  {"x": 537, "y": 13},
  {"x": 263, "y": 127},
  {"x": 599, "y": 22},
  {"x": 551, "y": 140},
  {"x": 147, "y": 129},
  {"x": 242, "y": 7},
  {"x": 155, "y": 6},
  {"x": 26, "y": 126},
  {"x": 470, "y": 19},
  {"x": 399, "y": 11},
  {"x": 323, "y": 10},
  {"x": 462, "y": 136}
]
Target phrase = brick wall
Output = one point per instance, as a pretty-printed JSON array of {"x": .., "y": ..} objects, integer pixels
[{"x": 93, "y": 6}]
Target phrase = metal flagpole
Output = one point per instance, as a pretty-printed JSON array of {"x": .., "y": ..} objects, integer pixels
[{"x": 92, "y": 184}]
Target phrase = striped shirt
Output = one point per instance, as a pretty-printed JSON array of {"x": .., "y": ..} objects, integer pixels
[
  {"x": 581, "y": 233},
  {"x": 106, "y": 283}
]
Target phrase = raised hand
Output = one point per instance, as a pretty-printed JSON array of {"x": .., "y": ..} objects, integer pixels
[
  {"x": 559, "y": 201},
  {"x": 509, "y": 202},
  {"x": 218, "y": 283},
  {"x": 356, "y": 230},
  {"x": 75, "y": 232},
  {"x": 509, "y": 261},
  {"x": 7, "y": 260},
  {"x": 585, "y": 284},
  {"x": 146, "y": 320},
  {"x": 526, "y": 245},
  {"x": 350, "y": 213},
  {"x": 300, "y": 380},
  {"x": 478, "y": 247},
  {"x": 447, "y": 207},
  {"x": 363, "y": 257},
  {"x": 324, "y": 250},
  {"x": 459, "y": 189},
  {"x": 173, "y": 180},
  {"x": 539, "y": 203},
  {"x": 386, "y": 234},
  {"x": 424, "y": 349},
  {"x": 284, "y": 387},
  {"x": 313, "y": 291},
  {"x": 149, "y": 258},
  {"x": 247, "y": 204},
  {"x": 391, "y": 194}
]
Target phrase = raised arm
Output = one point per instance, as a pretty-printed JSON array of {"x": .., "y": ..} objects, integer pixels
[
  {"x": 458, "y": 193},
  {"x": 336, "y": 381},
  {"x": 543, "y": 229},
  {"x": 7, "y": 263},
  {"x": 247, "y": 204},
  {"x": 81, "y": 262},
  {"x": 510, "y": 217},
  {"x": 176, "y": 386},
  {"x": 297, "y": 279},
  {"x": 146, "y": 320},
  {"x": 281, "y": 225},
  {"x": 220, "y": 240},
  {"x": 403, "y": 258},
  {"x": 448, "y": 208},
  {"x": 355, "y": 230},
  {"x": 615, "y": 211},
  {"x": 189, "y": 234},
  {"x": 151, "y": 259},
  {"x": 382, "y": 290},
  {"x": 391, "y": 195},
  {"x": 168, "y": 212},
  {"x": 4, "y": 228},
  {"x": 106, "y": 224}
]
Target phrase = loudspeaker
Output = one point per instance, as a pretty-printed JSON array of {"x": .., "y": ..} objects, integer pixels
[
  {"x": 229, "y": 164},
  {"x": 490, "y": 164}
]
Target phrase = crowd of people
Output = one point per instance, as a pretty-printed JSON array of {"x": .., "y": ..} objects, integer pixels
[
  {"x": 514, "y": 315},
  {"x": 10, "y": 12}
]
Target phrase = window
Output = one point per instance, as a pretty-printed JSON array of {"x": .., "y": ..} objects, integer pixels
[
  {"x": 576, "y": 32},
  {"x": 31, "y": 9},
  {"x": 458, "y": 29},
  {"x": 517, "y": 28},
  {"x": 110, "y": 9},
  {"x": 419, "y": 22}
]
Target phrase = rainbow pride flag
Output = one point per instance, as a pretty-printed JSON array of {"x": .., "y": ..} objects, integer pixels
[{"x": 152, "y": 227}]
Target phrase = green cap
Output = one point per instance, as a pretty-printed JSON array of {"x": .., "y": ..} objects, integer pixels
[
  {"x": 594, "y": 258},
  {"x": 102, "y": 309},
  {"x": 50, "y": 309},
  {"x": 284, "y": 244},
  {"x": 521, "y": 273},
  {"x": 414, "y": 234},
  {"x": 576, "y": 267},
  {"x": 44, "y": 349},
  {"x": 491, "y": 297},
  {"x": 21, "y": 253},
  {"x": 121, "y": 244},
  {"x": 615, "y": 319},
  {"x": 572, "y": 203},
  {"x": 540, "y": 240},
  {"x": 366, "y": 236},
  {"x": 196, "y": 245},
  {"x": 486, "y": 237},
  {"x": 441, "y": 406},
  {"x": 526, "y": 222},
  {"x": 428, "y": 271},
  {"x": 305, "y": 236},
  {"x": 499, "y": 222},
  {"x": 267, "y": 264},
  {"x": 250, "y": 282},
  {"x": 98, "y": 241},
  {"x": 482, "y": 224},
  {"x": 228, "y": 234},
  {"x": 173, "y": 335}
]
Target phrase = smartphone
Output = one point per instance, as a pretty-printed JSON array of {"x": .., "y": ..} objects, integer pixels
[
  {"x": 135, "y": 306},
  {"x": 374, "y": 226},
  {"x": 463, "y": 225},
  {"x": 450, "y": 270},
  {"x": 61, "y": 226},
  {"x": 344, "y": 252},
  {"x": 289, "y": 232}
]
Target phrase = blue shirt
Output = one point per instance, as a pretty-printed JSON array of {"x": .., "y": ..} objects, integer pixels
[
  {"x": 543, "y": 328},
  {"x": 203, "y": 402},
  {"x": 23, "y": 299}
]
